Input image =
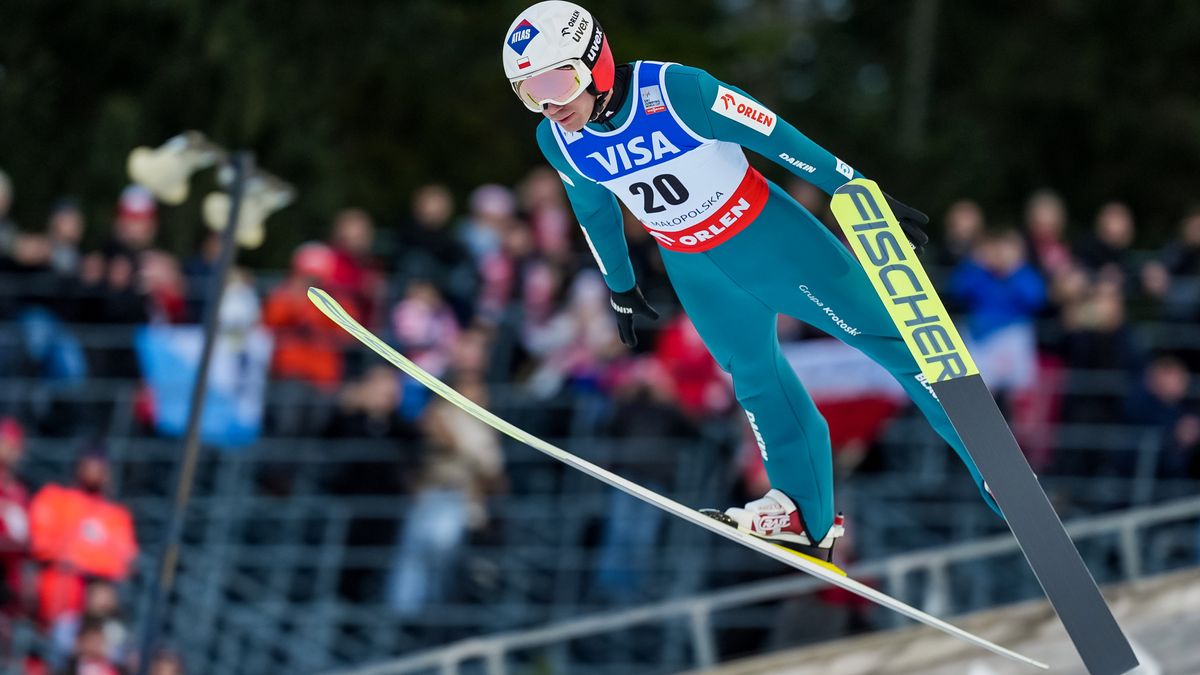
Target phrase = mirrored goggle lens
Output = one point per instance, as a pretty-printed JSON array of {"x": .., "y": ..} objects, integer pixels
[{"x": 557, "y": 86}]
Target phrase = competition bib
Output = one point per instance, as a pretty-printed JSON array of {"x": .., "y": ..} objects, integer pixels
[{"x": 691, "y": 193}]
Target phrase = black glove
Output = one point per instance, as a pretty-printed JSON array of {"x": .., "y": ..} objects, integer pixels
[
  {"x": 911, "y": 221},
  {"x": 628, "y": 305}
]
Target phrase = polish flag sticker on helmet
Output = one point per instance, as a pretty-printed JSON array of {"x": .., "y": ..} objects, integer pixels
[
  {"x": 523, "y": 62},
  {"x": 652, "y": 101},
  {"x": 744, "y": 110},
  {"x": 519, "y": 39}
]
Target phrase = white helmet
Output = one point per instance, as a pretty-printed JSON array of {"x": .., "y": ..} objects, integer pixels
[{"x": 554, "y": 51}]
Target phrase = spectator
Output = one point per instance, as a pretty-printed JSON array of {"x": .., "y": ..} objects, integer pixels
[
  {"x": 166, "y": 663},
  {"x": 1045, "y": 225},
  {"x": 964, "y": 225},
  {"x": 543, "y": 294},
  {"x": 472, "y": 355},
  {"x": 90, "y": 292},
  {"x": 1106, "y": 253},
  {"x": 91, "y": 652},
  {"x": 356, "y": 274},
  {"x": 113, "y": 277},
  {"x": 504, "y": 271},
  {"x": 8, "y": 229},
  {"x": 102, "y": 607},
  {"x": 493, "y": 210},
  {"x": 197, "y": 269},
  {"x": 1095, "y": 337},
  {"x": 136, "y": 224},
  {"x": 701, "y": 387},
  {"x": 124, "y": 299},
  {"x": 429, "y": 251},
  {"x": 1001, "y": 292},
  {"x": 544, "y": 204},
  {"x": 308, "y": 346},
  {"x": 14, "y": 528},
  {"x": 425, "y": 327},
  {"x": 464, "y": 466},
  {"x": 241, "y": 311},
  {"x": 79, "y": 535},
  {"x": 370, "y": 407},
  {"x": 112, "y": 293},
  {"x": 573, "y": 346},
  {"x": 464, "y": 452},
  {"x": 22, "y": 254},
  {"x": 10, "y": 236},
  {"x": 647, "y": 413},
  {"x": 1174, "y": 276},
  {"x": 163, "y": 281},
  {"x": 65, "y": 229},
  {"x": 49, "y": 351},
  {"x": 1161, "y": 402}
]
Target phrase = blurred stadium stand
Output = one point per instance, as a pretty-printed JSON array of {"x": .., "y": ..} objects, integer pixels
[{"x": 288, "y": 552}]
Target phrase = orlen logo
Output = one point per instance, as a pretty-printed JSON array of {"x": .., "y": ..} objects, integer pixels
[
  {"x": 744, "y": 110},
  {"x": 634, "y": 153},
  {"x": 570, "y": 24},
  {"x": 579, "y": 30}
]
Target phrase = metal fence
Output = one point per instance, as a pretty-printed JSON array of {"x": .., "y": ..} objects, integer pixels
[
  {"x": 265, "y": 564},
  {"x": 1133, "y": 533}
]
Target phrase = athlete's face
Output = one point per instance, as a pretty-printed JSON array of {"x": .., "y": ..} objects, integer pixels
[{"x": 572, "y": 116}]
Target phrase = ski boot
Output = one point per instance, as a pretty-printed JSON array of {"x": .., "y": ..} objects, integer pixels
[{"x": 775, "y": 518}]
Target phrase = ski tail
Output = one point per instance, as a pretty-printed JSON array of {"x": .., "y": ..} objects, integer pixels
[{"x": 905, "y": 290}]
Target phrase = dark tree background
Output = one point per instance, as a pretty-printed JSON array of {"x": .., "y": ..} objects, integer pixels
[{"x": 359, "y": 102}]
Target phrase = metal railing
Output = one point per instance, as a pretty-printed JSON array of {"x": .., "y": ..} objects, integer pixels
[
  {"x": 494, "y": 651},
  {"x": 902, "y": 508}
]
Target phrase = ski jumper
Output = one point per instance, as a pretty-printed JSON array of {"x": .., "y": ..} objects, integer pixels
[{"x": 739, "y": 251}]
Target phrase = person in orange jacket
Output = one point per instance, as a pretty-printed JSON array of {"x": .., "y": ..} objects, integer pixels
[{"x": 78, "y": 534}]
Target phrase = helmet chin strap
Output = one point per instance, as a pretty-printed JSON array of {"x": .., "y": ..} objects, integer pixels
[
  {"x": 599, "y": 106},
  {"x": 608, "y": 103}
]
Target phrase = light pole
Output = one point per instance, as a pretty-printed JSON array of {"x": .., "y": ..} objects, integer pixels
[{"x": 253, "y": 195}]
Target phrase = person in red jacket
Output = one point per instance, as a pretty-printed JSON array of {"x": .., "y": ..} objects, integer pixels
[
  {"x": 308, "y": 347},
  {"x": 14, "y": 528}
]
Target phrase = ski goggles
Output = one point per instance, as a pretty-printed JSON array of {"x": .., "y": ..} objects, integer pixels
[{"x": 559, "y": 85}]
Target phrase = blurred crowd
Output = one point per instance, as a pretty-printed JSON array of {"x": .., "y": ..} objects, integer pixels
[
  {"x": 498, "y": 295},
  {"x": 1048, "y": 312}
]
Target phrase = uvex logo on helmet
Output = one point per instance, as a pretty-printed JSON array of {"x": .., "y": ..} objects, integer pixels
[{"x": 593, "y": 51}]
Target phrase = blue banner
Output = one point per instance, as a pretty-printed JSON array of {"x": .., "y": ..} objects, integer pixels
[{"x": 233, "y": 406}]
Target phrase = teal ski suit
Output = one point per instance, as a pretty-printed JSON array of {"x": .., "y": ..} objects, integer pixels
[{"x": 739, "y": 251}]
